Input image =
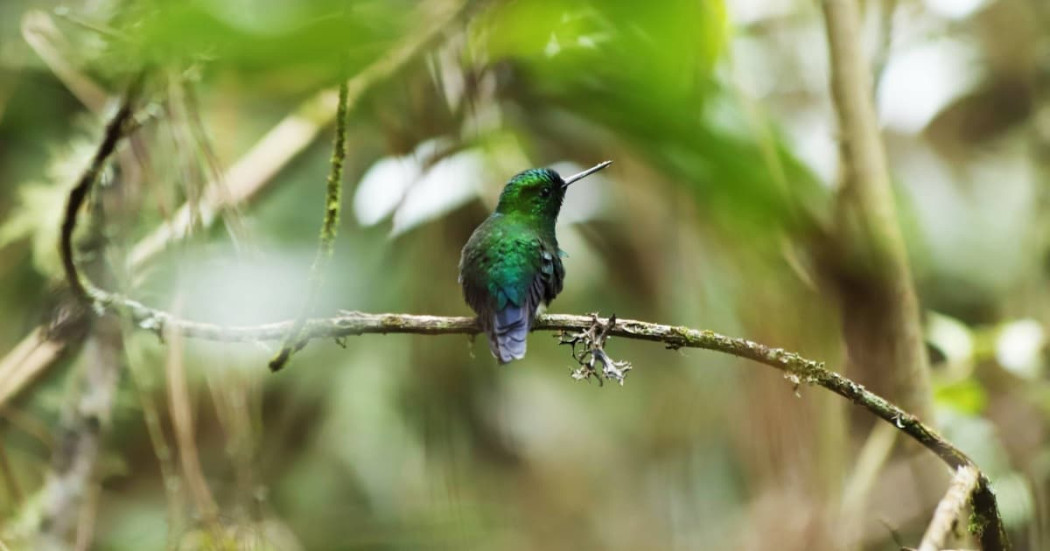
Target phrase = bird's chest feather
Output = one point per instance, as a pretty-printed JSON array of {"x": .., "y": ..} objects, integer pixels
[{"x": 506, "y": 263}]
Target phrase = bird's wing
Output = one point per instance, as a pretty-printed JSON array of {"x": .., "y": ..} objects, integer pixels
[
  {"x": 525, "y": 272},
  {"x": 505, "y": 277},
  {"x": 520, "y": 293}
]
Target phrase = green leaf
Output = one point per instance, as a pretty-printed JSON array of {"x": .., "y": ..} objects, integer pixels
[{"x": 965, "y": 396}]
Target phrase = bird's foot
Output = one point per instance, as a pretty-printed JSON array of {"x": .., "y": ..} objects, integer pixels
[{"x": 592, "y": 352}]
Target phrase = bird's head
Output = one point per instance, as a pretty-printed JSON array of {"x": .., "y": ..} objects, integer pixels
[{"x": 539, "y": 192}]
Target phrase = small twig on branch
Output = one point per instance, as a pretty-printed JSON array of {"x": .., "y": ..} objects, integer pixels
[
  {"x": 326, "y": 247},
  {"x": 949, "y": 509}
]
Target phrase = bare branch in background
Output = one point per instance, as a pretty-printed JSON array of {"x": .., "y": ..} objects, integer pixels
[
  {"x": 885, "y": 11},
  {"x": 949, "y": 509},
  {"x": 880, "y": 310},
  {"x": 245, "y": 179},
  {"x": 185, "y": 434},
  {"x": 41, "y": 33}
]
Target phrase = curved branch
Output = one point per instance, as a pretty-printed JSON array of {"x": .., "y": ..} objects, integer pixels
[
  {"x": 797, "y": 369},
  {"x": 115, "y": 130}
]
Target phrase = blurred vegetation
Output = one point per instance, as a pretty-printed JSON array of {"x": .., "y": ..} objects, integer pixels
[{"x": 718, "y": 119}]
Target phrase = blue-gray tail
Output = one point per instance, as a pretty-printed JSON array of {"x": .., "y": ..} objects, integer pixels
[{"x": 509, "y": 331}]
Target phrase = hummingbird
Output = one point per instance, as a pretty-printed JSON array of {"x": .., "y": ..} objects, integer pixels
[{"x": 511, "y": 264}]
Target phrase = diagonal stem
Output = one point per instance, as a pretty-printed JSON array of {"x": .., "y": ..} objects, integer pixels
[{"x": 333, "y": 199}]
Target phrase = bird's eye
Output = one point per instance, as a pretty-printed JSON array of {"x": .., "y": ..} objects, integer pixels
[{"x": 545, "y": 191}]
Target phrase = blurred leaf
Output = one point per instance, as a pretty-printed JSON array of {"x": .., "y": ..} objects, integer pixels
[
  {"x": 37, "y": 218},
  {"x": 649, "y": 76},
  {"x": 41, "y": 206},
  {"x": 432, "y": 181},
  {"x": 1019, "y": 348},
  {"x": 383, "y": 187},
  {"x": 309, "y": 43},
  {"x": 954, "y": 340},
  {"x": 1015, "y": 498},
  {"x": 965, "y": 396},
  {"x": 451, "y": 182}
]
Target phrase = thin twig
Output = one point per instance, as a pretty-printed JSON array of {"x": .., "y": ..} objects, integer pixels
[
  {"x": 326, "y": 246},
  {"x": 949, "y": 509},
  {"x": 244, "y": 180},
  {"x": 185, "y": 438},
  {"x": 886, "y": 10},
  {"x": 114, "y": 132},
  {"x": 14, "y": 490},
  {"x": 48, "y": 41},
  {"x": 867, "y": 466},
  {"x": 169, "y": 475}
]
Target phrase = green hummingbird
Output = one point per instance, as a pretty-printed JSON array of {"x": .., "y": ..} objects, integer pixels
[{"x": 511, "y": 264}]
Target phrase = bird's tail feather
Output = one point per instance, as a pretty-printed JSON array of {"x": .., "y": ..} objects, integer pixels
[{"x": 509, "y": 331}]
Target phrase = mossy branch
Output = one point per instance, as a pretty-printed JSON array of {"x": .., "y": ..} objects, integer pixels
[
  {"x": 326, "y": 246},
  {"x": 797, "y": 369}
]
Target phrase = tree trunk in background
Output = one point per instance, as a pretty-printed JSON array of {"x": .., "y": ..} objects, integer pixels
[{"x": 868, "y": 262}]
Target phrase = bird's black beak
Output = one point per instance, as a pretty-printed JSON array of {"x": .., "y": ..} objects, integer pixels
[{"x": 585, "y": 173}]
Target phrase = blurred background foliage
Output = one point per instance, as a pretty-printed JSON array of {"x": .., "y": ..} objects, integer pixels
[{"x": 718, "y": 119}]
